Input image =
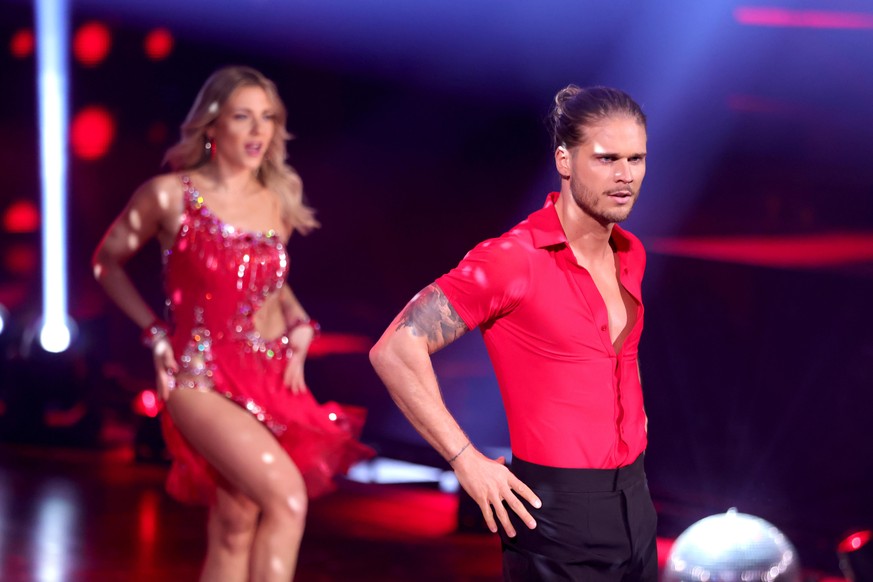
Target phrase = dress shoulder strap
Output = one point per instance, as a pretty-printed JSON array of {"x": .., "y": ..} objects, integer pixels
[{"x": 190, "y": 196}]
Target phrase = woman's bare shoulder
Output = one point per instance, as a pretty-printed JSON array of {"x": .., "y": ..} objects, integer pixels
[
  {"x": 163, "y": 190},
  {"x": 169, "y": 182}
]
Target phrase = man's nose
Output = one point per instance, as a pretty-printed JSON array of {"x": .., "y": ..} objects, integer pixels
[{"x": 624, "y": 171}]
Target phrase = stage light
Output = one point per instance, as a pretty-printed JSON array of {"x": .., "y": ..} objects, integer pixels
[
  {"x": 21, "y": 45},
  {"x": 784, "y": 17},
  {"x": 56, "y": 336},
  {"x": 4, "y": 317},
  {"x": 148, "y": 439},
  {"x": 158, "y": 44},
  {"x": 92, "y": 43},
  {"x": 21, "y": 216},
  {"x": 146, "y": 404},
  {"x": 856, "y": 556},
  {"x": 732, "y": 546},
  {"x": 52, "y": 18},
  {"x": 92, "y": 133}
]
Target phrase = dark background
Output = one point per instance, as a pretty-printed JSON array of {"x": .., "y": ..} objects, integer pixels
[{"x": 419, "y": 132}]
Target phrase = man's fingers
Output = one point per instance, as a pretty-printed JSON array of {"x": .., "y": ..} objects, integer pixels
[
  {"x": 503, "y": 516},
  {"x": 525, "y": 492},
  {"x": 489, "y": 517},
  {"x": 517, "y": 506}
]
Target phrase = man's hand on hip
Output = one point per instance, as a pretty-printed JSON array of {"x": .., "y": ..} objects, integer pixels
[{"x": 490, "y": 483}]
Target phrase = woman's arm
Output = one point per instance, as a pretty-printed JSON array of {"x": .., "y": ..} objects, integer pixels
[
  {"x": 301, "y": 332},
  {"x": 144, "y": 217}
]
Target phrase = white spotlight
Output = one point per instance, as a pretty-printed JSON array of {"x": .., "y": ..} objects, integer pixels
[{"x": 52, "y": 40}]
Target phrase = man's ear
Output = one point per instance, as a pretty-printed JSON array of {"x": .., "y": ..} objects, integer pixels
[{"x": 562, "y": 161}]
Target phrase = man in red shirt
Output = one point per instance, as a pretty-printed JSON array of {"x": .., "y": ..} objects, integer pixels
[{"x": 558, "y": 301}]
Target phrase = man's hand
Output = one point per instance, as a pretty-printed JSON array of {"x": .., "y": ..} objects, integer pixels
[{"x": 490, "y": 483}]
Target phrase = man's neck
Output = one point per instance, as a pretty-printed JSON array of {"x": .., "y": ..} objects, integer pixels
[{"x": 586, "y": 236}]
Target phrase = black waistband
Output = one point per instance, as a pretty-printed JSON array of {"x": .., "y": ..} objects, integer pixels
[{"x": 587, "y": 480}]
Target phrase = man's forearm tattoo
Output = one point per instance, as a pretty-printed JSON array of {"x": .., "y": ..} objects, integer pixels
[{"x": 431, "y": 315}]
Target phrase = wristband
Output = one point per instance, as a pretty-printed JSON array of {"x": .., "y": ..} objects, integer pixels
[
  {"x": 316, "y": 328},
  {"x": 153, "y": 333},
  {"x": 458, "y": 454}
]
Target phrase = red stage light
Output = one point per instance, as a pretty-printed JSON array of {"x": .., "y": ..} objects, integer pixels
[
  {"x": 22, "y": 43},
  {"x": 855, "y": 541},
  {"x": 92, "y": 132},
  {"x": 339, "y": 343},
  {"x": 783, "y": 17},
  {"x": 149, "y": 505},
  {"x": 146, "y": 404},
  {"x": 158, "y": 44},
  {"x": 91, "y": 43},
  {"x": 806, "y": 252},
  {"x": 21, "y": 216},
  {"x": 21, "y": 258}
]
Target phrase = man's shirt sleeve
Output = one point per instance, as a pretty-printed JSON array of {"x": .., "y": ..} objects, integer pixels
[{"x": 489, "y": 282}]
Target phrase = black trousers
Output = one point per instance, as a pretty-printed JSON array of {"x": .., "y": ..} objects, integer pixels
[{"x": 595, "y": 525}]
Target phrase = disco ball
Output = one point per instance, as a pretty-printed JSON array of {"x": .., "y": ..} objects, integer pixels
[{"x": 732, "y": 547}]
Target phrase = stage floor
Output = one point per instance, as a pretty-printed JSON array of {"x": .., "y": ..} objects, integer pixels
[{"x": 84, "y": 515}]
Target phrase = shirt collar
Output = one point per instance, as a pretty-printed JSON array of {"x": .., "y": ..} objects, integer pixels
[
  {"x": 545, "y": 227},
  {"x": 547, "y": 231}
]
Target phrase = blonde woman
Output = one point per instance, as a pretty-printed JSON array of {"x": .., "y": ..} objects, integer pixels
[{"x": 246, "y": 435}]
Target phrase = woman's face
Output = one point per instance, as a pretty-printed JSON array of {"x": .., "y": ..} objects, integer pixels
[{"x": 244, "y": 128}]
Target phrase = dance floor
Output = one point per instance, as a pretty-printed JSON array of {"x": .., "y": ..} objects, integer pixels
[{"x": 84, "y": 515}]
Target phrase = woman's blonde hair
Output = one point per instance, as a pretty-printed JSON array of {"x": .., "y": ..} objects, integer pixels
[{"x": 275, "y": 174}]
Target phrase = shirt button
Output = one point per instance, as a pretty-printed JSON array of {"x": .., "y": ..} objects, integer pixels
[{"x": 603, "y": 328}]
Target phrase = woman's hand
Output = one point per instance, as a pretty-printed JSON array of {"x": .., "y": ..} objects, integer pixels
[
  {"x": 294, "y": 373},
  {"x": 165, "y": 367},
  {"x": 299, "y": 337}
]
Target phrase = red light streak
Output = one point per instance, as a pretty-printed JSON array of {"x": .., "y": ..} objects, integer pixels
[
  {"x": 811, "y": 251},
  {"x": 786, "y": 18},
  {"x": 855, "y": 541}
]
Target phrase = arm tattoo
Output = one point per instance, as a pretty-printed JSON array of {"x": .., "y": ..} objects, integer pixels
[{"x": 431, "y": 315}]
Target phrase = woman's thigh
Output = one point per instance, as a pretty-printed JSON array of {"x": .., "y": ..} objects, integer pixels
[{"x": 240, "y": 448}]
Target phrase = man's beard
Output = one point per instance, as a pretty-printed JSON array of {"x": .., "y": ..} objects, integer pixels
[{"x": 587, "y": 201}]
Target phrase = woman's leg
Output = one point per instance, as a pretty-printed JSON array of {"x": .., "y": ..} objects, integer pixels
[
  {"x": 230, "y": 530},
  {"x": 250, "y": 459}
]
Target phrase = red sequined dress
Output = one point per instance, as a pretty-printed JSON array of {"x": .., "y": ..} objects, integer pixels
[{"x": 216, "y": 278}]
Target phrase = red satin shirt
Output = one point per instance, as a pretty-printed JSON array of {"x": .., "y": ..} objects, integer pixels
[{"x": 571, "y": 400}]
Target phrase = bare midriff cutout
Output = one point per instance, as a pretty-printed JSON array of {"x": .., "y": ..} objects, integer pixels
[{"x": 268, "y": 320}]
